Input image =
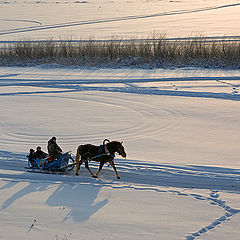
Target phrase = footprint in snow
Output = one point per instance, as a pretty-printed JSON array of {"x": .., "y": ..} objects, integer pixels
[{"x": 214, "y": 194}]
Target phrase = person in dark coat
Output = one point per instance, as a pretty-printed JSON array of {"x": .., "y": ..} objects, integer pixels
[
  {"x": 39, "y": 153},
  {"x": 54, "y": 150},
  {"x": 31, "y": 156}
]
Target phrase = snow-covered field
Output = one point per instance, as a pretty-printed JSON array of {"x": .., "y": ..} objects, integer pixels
[
  {"x": 180, "y": 129},
  {"x": 103, "y": 19}
]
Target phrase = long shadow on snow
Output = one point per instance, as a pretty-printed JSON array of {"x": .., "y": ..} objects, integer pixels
[
  {"x": 77, "y": 195},
  {"x": 79, "y": 198},
  {"x": 12, "y": 161},
  {"x": 127, "y": 89}
]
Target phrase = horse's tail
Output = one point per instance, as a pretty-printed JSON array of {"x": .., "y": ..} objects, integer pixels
[
  {"x": 77, "y": 159},
  {"x": 78, "y": 154}
]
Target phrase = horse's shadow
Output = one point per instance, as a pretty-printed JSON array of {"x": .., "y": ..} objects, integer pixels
[
  {"x": 74, "y": 201},
  {"x": 79, "y": 199}
]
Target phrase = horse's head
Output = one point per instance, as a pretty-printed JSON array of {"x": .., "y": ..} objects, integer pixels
[{"x": 118, "y": 147}]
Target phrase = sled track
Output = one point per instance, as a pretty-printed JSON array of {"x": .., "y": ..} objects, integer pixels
[
  {"x": 142, "y": 112},
  {"x": 132, "y": 172}
]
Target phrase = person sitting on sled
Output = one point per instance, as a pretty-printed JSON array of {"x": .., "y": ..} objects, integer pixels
[
  {"x": 39, "y": 153},
  {"x": 31, "y": 156},
  {"x": 54, "y": 151}
]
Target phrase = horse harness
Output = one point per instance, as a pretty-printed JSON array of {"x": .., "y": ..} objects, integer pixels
[{"x": 102, "y": 151}]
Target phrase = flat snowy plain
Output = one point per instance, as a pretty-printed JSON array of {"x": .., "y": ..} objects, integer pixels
[{"x": 180, "y": 128}]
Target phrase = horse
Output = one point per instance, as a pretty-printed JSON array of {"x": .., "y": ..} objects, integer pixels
[{"x": 104, "y": 153}]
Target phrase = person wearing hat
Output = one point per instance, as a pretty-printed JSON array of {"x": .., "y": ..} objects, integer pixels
[
  {"x": 54, "y": 150},
  {"x": 39, "y": 153}
]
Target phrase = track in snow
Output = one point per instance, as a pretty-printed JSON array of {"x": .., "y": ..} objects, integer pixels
[{"x": 107, "y": 20}]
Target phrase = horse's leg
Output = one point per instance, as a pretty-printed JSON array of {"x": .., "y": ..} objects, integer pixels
[
  {"x": 78, "y": 166},
  {"x": 114, "y": 168},
  {"x": 87, "y": 167},
  {"x": 100, "y": 167}
]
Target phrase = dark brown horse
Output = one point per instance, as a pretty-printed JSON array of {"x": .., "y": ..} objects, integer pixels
[{"x": 104, "y": 154}]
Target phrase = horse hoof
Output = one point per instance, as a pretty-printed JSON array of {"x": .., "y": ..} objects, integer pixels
[
  {"x": 94, "y": 176},
  {"x": 77, "y": 174},
  {"x": 118, "y": 177}
]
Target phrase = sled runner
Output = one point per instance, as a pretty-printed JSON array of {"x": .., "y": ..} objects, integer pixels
[{"x": 64, "y": 163}]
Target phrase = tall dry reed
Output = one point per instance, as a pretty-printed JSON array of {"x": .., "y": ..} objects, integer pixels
[{"x": 154, "y": 52}]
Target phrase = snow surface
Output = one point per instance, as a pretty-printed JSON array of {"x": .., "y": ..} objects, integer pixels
[
  {"x": 103, "y": 19},
  {"x": 180, "y": 128}
]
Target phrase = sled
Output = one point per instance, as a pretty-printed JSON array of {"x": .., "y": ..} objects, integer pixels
[{"x": 64, "y": 163}]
